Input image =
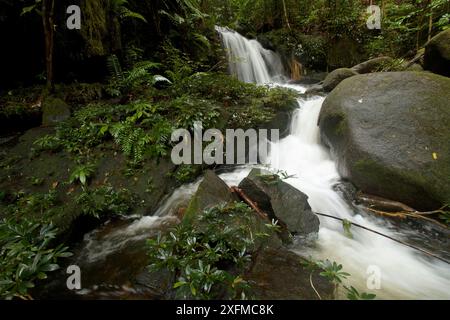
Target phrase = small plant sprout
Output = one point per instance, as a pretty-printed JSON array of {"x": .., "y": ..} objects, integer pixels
[{"x": 82, "y": 174}]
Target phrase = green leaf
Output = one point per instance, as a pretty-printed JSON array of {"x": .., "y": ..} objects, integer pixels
[
  {"x": 179, "y": 284},
  {"x": 83, "y": 178},
  {"x": 28, "y": 9},
  {"x": 50, "y": 267}
]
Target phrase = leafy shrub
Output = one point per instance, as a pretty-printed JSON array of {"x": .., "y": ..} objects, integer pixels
[
  {"x": 208, "y": 254},
  {"x": 82, "y": 173},
  {"x": 105, "y": 201},
  {"x": 26, "y": 256},
  {"x": 334, "y": 273},
  {"x": 190, "y": 110},
  {"x": 123, "y": 82}
]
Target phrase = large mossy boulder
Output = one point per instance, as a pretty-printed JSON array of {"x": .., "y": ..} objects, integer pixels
[
  {"x": 54, "y": 110},
  {"x": 390, "y": 135},
  {"x": 437, "y": 54},
  {"x": 336, "y": 77},
  {"x": 280, "y": 201}
]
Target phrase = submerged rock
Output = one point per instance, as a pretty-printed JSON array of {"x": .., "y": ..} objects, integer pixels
[
  {"x": 281, "y": 202},
  {"x": 389, "y": 133},
  {"x": 437, "y": 54}
]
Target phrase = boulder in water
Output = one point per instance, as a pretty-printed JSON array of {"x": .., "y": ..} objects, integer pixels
[
  {"x": 389, "y": 133},
  {"x": 281, "y": 202},
  {"x": 437, "y": 54}
]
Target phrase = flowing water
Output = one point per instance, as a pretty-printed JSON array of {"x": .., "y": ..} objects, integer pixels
[{"x": 405, "y": 273}]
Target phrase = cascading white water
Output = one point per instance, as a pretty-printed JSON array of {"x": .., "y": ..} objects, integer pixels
[
  {"x": 248, "y": 60},
  {"x": 405, "y": 274}
]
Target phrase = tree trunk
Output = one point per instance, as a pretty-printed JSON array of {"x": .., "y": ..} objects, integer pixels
[
  {"x": 430, "y": 24},
  {"x": 48, "y": 8},
  {"x": 286, "y": 15}
]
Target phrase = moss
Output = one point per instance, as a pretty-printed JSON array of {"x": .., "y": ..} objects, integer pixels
[{"x": 95, "y": 26}]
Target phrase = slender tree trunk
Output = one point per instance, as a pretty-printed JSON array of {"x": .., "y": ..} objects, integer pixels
[
  {"x": 48, "y": 8},
  {"x": 430, "y": 23},
  {"x": 286, "y": 15}
]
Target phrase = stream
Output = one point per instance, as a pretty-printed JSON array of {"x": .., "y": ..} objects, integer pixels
[{"x": 115, "y": 253}]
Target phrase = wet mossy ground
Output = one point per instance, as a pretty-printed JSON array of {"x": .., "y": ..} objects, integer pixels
[{"x": 41, "y": 161}]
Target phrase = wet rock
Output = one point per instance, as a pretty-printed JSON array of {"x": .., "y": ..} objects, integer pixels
[
  {"x": 437, "y": 54},
  {"x": 315, "y": 89},
  {"x": 54, "y": 111},
  {"x": 212, "y": 191},
  {"x": 415, "y": 67},
  {"x": 372, "y": 65},
  {"x": 389, "y": 134},
  {"x": 336, "y": 77},
  {"x": 281, "y": 202},
  {"x": 277, "y": 274}
]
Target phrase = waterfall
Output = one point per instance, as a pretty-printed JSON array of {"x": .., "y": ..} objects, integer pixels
[
  {"x": 405, "y": 274},
  {"x": 248, "y": 60}
]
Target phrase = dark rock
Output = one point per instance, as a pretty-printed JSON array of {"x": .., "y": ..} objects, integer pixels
[
  {"x": 373, "y": 65},
  {"x": 281, "y": 202},
  {"x": 54, "y": 111},
  {"x": 315, "y": 89},
  {"x": 336, "y": 77},
  {"x": 415, "y": 67},
  {"x": 277, "y": 274},
  {"x": 437, "y": 54},
  {"x": 389, "y": 133},
  {"x": 310, "y": 79},
  {"x": 212, "y": 191}
]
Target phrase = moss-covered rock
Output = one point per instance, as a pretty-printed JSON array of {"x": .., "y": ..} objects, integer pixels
[
  {"x": 389, "y": 134},
  {"x": 27, "y": 175},
  {"x": 54, "y": 110},
  {"x": 372, "y": 65},
  {"x": 211, "y": 192},
  {"x": 281, "y": 202},
  {"x": 336, "y": 77},
  {"x": 437, "y": 54}
]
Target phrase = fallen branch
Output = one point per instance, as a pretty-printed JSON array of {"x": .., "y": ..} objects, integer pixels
[
  {"x": 394, "y": 209},
  {"x": 252, "y": 204},
  {"x": 383, "y": 204},
  {"x": 263, "y": 215},
  {"x": 386, "y": 236},
  {"x": 417, "y": 215}
]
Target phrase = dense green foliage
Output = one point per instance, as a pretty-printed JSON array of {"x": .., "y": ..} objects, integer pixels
[
  {"x": 312, "y": 30},
  {"x": 28, "y": 240},
  {"x": 208, "y": 255}
]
